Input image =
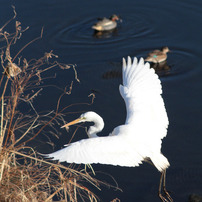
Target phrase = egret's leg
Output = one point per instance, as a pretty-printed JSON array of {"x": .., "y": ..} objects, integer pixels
[
  {"x": 164, "y": 188},
  {"x": 160, "y": 186},
  {"x": 162, "y": 181}
]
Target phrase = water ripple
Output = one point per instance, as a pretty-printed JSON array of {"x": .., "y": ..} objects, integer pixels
[
  {"x": 181, "y": 61},
  {"x": 80, "y": 33}
]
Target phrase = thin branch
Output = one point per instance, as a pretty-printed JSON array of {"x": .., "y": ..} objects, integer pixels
[
  {"x": 28, "y": 44},
  {"x": 15, "y": 14}
]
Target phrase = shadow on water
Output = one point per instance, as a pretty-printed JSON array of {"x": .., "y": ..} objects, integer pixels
[
  {"x": 146, "y": 25},
  {"x": 105, "y": 34},
  {"x": 162, "y": 69}
]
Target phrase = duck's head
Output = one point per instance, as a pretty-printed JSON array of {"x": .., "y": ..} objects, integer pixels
[
  {"x": 114, "y": 17},
  {"x": 165, "y": 49}
]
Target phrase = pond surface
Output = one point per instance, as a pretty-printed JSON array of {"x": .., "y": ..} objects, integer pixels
[{"x": 146, "y": 25}]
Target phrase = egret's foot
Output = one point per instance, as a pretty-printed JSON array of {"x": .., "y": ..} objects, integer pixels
[
  {"x": 162, "y": 198},
  {"x": 167, "y": 195}
]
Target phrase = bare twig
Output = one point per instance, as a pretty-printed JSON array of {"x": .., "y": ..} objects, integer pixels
[
  {"x": 28, "y": 44},
  {"x": 23, "y": 175},
  {"x": 15, "y": 14}
]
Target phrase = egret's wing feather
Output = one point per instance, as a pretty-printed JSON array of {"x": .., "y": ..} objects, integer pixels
[
  {"x": 141, "y": 91},
  {"x": 104, "y": 150},
  {"x": 146, "y": 124}
]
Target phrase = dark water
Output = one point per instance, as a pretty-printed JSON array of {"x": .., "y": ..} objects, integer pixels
[{"x": 146, "y": 25}]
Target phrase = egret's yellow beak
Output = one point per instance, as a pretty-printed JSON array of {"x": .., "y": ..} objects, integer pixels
[{"x": 72, "y": 122}]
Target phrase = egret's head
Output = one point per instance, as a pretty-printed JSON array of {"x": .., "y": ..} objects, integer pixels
[
  {"x": 88, "y": 116},
  {"x": 85, "y": 117}
]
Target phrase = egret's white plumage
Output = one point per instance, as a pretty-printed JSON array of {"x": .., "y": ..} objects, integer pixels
[{"x": 141, "y": 136}]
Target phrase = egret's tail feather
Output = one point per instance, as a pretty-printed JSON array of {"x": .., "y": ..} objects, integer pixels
[{"x": 160, "y": 162}]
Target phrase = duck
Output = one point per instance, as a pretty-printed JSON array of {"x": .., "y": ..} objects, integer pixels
[
  {"x": 158, "y": 56},
  {"x": 106, "y": 24}
]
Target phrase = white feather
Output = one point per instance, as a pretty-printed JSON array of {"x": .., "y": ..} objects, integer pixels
[{"x": 141, "y": 136}]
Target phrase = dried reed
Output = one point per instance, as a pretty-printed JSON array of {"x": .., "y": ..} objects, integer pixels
[{"x": 24, "y": 176}]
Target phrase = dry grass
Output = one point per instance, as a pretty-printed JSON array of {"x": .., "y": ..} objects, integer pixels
[{"x": 24, "y": 175}]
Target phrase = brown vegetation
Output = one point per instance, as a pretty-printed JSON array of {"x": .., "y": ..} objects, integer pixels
[{"x": 24, "y": 175}]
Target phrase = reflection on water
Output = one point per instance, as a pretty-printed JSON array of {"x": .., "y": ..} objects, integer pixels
[
  {"x": 146, "y": 25},
  {"x": 195, "y": 198},
  {"x": 105, "y": 34},
  {"x": 161, "y": 68},
  {"x": 112, "y": 74}
]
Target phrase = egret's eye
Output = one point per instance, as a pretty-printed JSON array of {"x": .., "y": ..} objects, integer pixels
[{"x": 82, "y": 118}]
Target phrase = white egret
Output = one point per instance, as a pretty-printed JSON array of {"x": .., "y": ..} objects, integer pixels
[{"x": 139, "y": 139}]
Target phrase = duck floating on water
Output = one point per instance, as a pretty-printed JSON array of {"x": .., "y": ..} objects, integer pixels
[
  {"x": 158, "y": 56},
  {"x": 106, "y": 24}
]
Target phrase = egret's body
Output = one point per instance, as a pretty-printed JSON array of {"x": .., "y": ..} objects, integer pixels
[{"x": 139, "y": 138}]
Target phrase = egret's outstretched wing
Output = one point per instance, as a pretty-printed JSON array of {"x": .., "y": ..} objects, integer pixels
[
  {"x": 111, "y": 150},
  {"x": 146, "y": 124},
  {"x": 142, "y": 91}
]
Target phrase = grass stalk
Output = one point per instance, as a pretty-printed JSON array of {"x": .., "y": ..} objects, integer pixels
[{"x": 24, "y": 174}]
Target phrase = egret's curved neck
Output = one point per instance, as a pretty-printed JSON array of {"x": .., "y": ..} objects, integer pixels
[{"x": 97, "y": 127}]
